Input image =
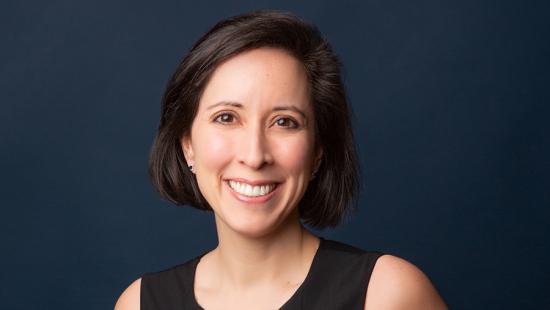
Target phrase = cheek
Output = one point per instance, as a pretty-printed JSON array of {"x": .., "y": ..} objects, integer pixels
[
  {"x": 294, "y": 154},
  {"x": 213, "y": 150}
]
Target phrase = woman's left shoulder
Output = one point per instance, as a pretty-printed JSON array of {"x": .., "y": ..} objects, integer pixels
[{"x": 398, "y": 284}]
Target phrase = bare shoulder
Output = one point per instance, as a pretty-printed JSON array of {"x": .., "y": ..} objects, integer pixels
[
  {"x": 397, "y": 284},
  {"x": 129, "y": 299}
]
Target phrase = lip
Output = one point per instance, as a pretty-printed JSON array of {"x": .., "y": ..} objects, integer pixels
[
  {"x": 253, "y": 183},
  {"x": 252, "y": 200}
]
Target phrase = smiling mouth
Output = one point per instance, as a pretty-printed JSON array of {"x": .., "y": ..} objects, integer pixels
[{"x": 251, "y": 190}]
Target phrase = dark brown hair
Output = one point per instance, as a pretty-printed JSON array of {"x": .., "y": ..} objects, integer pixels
[{"x": 331, "y": 194}]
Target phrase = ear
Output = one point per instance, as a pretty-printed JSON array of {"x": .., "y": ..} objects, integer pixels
[
  {"x": 187, "y": 149},
  {"x": 318, "y": 158}
]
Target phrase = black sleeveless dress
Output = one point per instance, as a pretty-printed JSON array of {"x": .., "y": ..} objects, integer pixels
[{"x": 337, "y": 279}]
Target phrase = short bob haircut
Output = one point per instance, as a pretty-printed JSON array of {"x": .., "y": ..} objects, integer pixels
[{"x": 332, "y": 193}]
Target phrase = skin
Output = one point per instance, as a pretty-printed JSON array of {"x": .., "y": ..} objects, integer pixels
[{"x": 263, "y": 130}]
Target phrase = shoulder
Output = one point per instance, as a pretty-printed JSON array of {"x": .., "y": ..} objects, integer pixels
[
  {"x": 130, "y": 298},
  {"x": 397, "y": 284}
]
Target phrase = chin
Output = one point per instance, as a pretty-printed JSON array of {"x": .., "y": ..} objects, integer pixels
[{"x": 251, "y": 226}]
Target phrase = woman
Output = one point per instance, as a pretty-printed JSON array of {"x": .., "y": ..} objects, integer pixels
[{"x": 255, "y": 127}]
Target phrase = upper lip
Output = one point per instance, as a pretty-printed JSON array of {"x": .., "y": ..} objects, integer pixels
[{"x": 253, "y": 183}]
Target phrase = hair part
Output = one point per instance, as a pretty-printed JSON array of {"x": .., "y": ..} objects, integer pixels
[{"x": 332, "y": 193}]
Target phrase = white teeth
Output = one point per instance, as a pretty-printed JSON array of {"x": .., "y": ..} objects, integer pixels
[{"x": 251, "y": 191}]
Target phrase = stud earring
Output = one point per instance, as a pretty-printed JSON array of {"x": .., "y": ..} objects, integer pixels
[{"x": 192, "y": 169}]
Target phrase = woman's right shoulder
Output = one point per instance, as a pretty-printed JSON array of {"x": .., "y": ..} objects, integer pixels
[{"x": 130, "y": 298}]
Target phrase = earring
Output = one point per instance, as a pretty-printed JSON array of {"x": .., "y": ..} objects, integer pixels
[{"x": 192, "y": 169}]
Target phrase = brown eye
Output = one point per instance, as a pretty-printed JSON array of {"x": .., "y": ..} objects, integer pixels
[
  {"x": 224, "y": 118},
  {"x": 286, "y": 122}
]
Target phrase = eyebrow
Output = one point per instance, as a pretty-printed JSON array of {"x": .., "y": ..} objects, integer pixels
[
  {"x": 239, "y": 105},
  {"x": 291, "y": 108},
  {"x": 229, "y": 103}
]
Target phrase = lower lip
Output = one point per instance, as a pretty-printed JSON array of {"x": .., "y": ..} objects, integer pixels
[{"x": 247, "y": 199}]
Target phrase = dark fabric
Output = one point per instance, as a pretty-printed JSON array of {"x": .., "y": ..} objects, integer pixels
[{"x": 337, "y": 279}]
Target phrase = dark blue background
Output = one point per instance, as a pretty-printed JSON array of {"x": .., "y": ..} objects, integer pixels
[{"x": 451, "y": 119}]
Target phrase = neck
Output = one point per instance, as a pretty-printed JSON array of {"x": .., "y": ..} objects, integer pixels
[{"x": 283, "y": 255}]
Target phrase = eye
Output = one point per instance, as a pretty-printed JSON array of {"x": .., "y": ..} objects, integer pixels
[
  {"x": 287, "y": 122},
  {"x": 224, "y": 118}
]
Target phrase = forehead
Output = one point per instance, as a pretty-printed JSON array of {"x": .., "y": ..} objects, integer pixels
[{"x": 263, "y": 76}]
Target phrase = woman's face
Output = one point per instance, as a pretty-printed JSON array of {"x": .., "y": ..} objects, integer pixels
[{"x": 252, "y": 141}]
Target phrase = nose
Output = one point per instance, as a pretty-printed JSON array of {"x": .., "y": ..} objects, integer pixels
[{"x": 254, "y": 148}]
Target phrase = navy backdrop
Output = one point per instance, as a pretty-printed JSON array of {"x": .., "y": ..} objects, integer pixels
[{"x": 451, "y": 119}]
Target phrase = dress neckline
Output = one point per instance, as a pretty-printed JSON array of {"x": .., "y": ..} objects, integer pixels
[{"x": 296, "y": 293}]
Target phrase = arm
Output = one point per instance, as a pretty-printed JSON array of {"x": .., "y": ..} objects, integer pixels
[
  {"x": 130, "y": 298},
  {"x": 397, "y": 284}
]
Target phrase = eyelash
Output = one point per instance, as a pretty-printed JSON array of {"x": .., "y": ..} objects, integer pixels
[{"x": 295, "y": 124}]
